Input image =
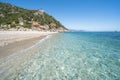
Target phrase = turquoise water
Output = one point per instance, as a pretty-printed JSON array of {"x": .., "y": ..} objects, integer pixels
[{"x": 68, "y": 56}]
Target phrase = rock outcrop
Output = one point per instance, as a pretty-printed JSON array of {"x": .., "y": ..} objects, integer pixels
[{"x": 15, "y": 18}]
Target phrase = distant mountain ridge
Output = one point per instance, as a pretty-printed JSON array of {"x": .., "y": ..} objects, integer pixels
[{"x": 16, "y": 18}]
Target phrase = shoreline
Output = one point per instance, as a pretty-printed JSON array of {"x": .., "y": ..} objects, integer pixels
[{"x": 12, "y": 42}]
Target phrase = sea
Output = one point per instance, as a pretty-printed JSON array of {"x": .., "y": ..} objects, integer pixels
[{"x": 67, "y": 56}]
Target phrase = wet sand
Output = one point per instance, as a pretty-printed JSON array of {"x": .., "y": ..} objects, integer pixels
[
  {"x": 17, "y": 46},
  {"x": 17, "y": 41}
]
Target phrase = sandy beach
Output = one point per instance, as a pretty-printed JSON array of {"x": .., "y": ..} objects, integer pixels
[{"x": 14, "y": 41}]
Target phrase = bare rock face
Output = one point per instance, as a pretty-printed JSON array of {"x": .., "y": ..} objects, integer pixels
[
  {"x": 52, "y": 24},
  {"x": 38, "y": 26},
  {"x": 39, "y": 12},
  {"x": 2, "y": 15},
  {"x": 21, "y": 21},
  {"x": 35, "y": 24},
  {"x": 46, "y": 27},
  {"x": 61, "y": 30}
]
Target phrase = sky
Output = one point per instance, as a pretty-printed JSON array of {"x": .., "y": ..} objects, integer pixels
[{"x": 88, "y": 15}]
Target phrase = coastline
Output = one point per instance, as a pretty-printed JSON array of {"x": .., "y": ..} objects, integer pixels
[{"x": 15, "y": 41}]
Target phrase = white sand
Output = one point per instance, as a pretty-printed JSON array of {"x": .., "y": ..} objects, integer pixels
[
  {"x": 15, "y": 41},
  {"x": 7, "y": 37}
]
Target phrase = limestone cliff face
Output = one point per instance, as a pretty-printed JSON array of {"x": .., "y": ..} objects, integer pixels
[{"x": 15, "y": 18}]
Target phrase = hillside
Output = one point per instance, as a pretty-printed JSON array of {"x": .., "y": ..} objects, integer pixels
[{"x": 15, "y": 18}]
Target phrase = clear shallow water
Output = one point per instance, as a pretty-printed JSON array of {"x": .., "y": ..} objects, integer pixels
[{"x": 68, "y": 56}]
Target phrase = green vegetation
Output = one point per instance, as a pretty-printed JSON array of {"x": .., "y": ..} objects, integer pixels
[{"x": 12, "y": 16}]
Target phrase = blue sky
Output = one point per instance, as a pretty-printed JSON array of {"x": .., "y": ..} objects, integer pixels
[{"x": 89, "y": 15}]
